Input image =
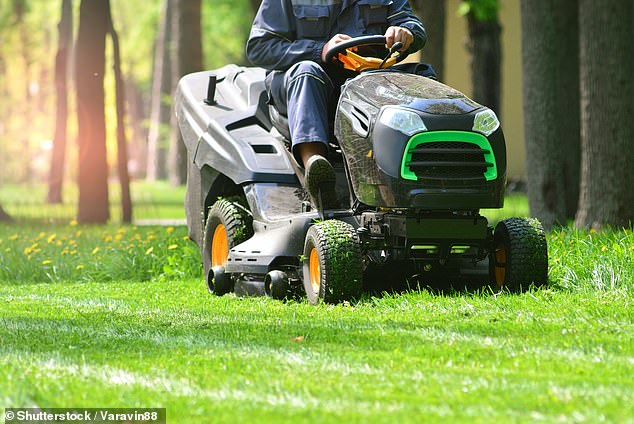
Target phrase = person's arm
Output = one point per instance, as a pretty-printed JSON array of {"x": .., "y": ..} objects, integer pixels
[
  {"x": 272, "y": 43},
  {"x": 401, "y": 15}
]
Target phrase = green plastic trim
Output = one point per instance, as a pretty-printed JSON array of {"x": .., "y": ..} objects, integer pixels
[{"x": 449, "y": 136}]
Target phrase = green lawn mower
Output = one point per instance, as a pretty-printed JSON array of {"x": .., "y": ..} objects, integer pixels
[{"x": 415, "y": 160}]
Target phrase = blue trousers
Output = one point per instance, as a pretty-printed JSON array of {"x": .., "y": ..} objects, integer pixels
[{"x": 307, "y": 94}]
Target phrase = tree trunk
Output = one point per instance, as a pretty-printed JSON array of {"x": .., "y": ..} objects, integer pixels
[
  {"x": 432, "y": 13},
  {"x": 122, "y": 148},
  {"x": 56, "y": 175},
  {"x": 485, "y": 50},
  {"x": 89, "y": 73},
  {"x": 160, "y": 113},
  {"x": 607, "y": 128},
  {"x": 189, "y": 58},
  {"x": 255, "y": 5},
  {"x": 551, "y": 112},
  {"x": 20, "y": 9},
  {"x": 136, "y": 101},
  {"x": 4, "y": 217}
]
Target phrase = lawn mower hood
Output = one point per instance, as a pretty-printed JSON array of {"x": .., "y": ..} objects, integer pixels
[{"x": 412, "y": 142}]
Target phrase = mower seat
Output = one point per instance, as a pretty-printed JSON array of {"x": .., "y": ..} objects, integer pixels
[{"x": 280, "y": 122}]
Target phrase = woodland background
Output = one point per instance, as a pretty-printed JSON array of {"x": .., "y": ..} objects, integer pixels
[{"x": 577, "y": 90}]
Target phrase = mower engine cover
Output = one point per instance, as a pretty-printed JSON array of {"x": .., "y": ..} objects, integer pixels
[{"x": 412, "y": 142}]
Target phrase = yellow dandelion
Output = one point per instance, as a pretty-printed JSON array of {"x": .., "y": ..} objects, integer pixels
[
  {"x": 604, "y": 248},
  {"x": 58, "y": 243},
  {"x": 151, "y": 237},
  {"x": 47, "y": 262},
  {"x": 73, "y": 223},
  {"x": 79, "y": 267},
  {"x": 7, "y": 250},
  {"x": 31, "y": 249},
  {"x": 121, "y": 230},
  {"x": 107, "y": 238},
  {"x": 150, "y": 250},
  {"x": 118, "y": 237},
  {"x": 172, "y": 247},
  {"x": 41, "y": 235},
  {"x": 169, "y": 230},
  {"x": 78, "y": 234},
  {"x": 51, "y": 238},
  {"x": 185, "y": 237},
  {"x": 13, "y": 237},
  {"x": 0, "y": 241},
  {"x": 95, "y": 250},
  {"x": 73, "y": 252}
]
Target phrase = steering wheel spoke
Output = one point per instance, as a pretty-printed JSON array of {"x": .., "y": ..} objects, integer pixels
[{"x": 344, "y": 54}]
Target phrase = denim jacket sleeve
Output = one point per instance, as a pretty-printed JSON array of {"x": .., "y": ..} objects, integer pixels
[
  {"x": 273, "y": 42},
  {"x": 401, "y": 14}
]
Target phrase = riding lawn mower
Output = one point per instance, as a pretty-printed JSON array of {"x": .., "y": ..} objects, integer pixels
[{"x": 415, "y": 160}]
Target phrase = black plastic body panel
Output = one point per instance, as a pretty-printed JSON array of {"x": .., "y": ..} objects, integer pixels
[
  {"x": 374, "y": 156},
  {"x": 231, "y": 135}
]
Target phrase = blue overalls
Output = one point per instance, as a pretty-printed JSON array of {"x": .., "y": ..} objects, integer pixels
[{"x": 287, "y": 38}]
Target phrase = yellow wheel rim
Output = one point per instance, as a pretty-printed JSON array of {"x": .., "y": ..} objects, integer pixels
[
  {"x": 314, "y": 271},
  {"x": 219, "y": 246},
  {"x": 500, "y": 265}
]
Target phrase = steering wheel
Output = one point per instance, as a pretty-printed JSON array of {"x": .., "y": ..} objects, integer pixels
[{"x": 343, "y": 53}]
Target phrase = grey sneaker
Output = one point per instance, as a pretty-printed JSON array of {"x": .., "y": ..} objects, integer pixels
[{"x": 319, "y": 181}]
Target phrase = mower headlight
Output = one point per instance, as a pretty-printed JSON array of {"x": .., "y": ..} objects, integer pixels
[
  {"x": 405, "y": 121},
  {"x": 486, "y": 122}
]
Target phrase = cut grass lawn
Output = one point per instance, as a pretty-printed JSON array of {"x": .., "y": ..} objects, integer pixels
[{"x": 126, "y": 321}]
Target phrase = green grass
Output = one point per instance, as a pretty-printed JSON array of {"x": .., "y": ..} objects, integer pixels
[
  {"x": 135, "y": 327},
  {"x": 103, "y": 316}
]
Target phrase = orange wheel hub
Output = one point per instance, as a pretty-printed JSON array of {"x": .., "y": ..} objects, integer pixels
[
  {"x": 219, "y": 246},
  {"x": 314, "y": 271},
  {"x": 500, "y": 265}
]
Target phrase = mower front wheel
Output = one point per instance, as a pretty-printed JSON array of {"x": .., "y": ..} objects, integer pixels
[
  {"x": 228, "y": 224},
  {"x": 333, "y": 265},
  {"x": 520, "y": 255}
]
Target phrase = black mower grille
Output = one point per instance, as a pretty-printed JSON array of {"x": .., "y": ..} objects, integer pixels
[{"x": 449, "y": 163}]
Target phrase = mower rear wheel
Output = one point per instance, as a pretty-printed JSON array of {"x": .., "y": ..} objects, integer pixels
[
  {"x": 228, "y": 224},
  {"x": 520, "y": 255},
  {"x": 333, "y": 265}
]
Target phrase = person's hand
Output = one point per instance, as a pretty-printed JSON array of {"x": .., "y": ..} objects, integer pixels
[
  {"x": 396, "y": 34},
  {"x": 339, "y": 38}
]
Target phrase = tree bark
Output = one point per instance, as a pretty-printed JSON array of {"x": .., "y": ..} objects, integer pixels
[
  {"x": 89, "y": 74},
  {"x": 432, "y": 13},
  {"x": 551, "y": 111},
  {"x": 189, "y": 58},
  {"x": 607, "y": 128},
  {"x": 160, "y": 109},
  {"x": 56, "y": 175},
  {"x": 485, "y": 50},
  {"x": 122, "y": 148}
]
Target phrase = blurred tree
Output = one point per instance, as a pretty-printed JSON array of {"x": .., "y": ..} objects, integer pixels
[
  {"x": 432, "y": 13},
  {"x": 4, "y": 216},
  {"x": 160, "y": 109},
  {"x": 186, "y": 21},
  {"x": 607, "y": 128},
  {"x": 485, "y": 50},
  {"x": 122, "y": 148},
  {"x": 56, "y": 174},
  {"x": 550, "y": 56},
  {"x": 255, "y": 5},
  {"x": 89, "y": 74}
]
